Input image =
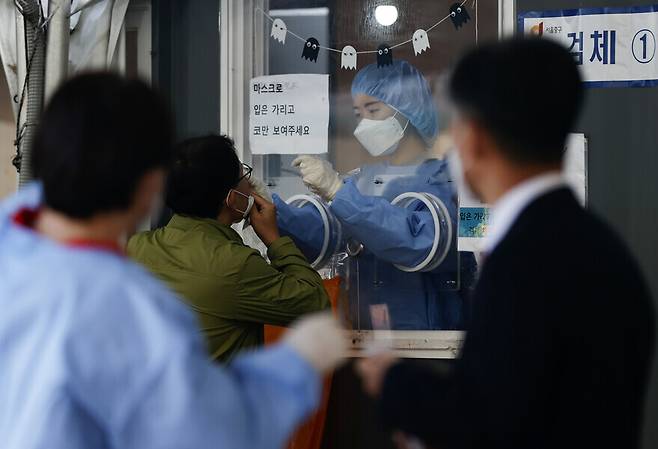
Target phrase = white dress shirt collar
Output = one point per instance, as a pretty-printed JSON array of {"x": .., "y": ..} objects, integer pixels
[{"x": 508, "y": 208}]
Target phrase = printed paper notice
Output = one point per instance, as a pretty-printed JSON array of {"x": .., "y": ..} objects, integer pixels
[{"x": 289, "y": 114}]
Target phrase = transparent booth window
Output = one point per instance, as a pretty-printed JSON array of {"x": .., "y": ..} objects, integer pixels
[{"x": 387, "y": 233}]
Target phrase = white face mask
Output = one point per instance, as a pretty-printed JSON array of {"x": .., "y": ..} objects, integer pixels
[
  {"x": 380, "y": 137},
  {"x": 457, "y": 173},
  {"x": 250, "y": 203}
]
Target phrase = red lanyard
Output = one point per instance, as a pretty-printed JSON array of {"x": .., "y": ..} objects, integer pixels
[{"x": 27, "y": 218}]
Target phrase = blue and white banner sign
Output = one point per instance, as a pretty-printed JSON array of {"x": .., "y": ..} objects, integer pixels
[{"x": 615, "y": 47}]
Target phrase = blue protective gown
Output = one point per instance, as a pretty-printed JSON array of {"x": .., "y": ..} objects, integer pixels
[
  {"x": 96, "y": 353},
  {"x": 391, "y": 235}
]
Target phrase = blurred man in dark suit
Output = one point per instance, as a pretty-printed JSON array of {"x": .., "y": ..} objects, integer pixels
[{"x": 559, "y": 344}]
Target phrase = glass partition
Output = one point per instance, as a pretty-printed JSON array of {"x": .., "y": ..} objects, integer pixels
[{"x": 388, "y": 229}]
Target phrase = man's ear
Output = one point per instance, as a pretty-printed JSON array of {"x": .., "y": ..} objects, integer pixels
[
  {"x": 227, "y": 200},
  {"x": 479, "y": 145},
  {"x": 486, "y": 143},
  {"x": 148, "y": 191},
  {"x": 466, "y": 135}
]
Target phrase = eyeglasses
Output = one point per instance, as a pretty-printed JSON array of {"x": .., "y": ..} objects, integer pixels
[{"x": 246, "y": 172}]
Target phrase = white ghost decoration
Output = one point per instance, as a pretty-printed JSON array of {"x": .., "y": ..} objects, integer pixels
[
  {"x": 279, "y": 30},
  {"x": 421, "y": 41},
  {"x": 348, "y": 58}
]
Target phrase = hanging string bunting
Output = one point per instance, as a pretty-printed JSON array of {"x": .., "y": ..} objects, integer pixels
[
  {"x": 384, "y": 55},
  {"x": 311, "y": 49},
  {"x": 279, "y": 30},
  {"x": 458, "y": 14},
  {"x": 348, "y": 58},
  {"x": 420, "y": 41}
]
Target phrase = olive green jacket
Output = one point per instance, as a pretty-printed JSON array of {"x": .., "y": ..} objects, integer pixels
[{"x": 231, "y": 287}]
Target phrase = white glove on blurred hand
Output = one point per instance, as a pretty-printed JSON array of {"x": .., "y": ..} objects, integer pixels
[
  {"x": 319, "y": 340},
  {"x": 260, "y": 188},
  {"x": 319, "y": 176}
]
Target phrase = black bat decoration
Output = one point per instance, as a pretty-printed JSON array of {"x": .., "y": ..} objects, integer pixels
[
  {"x": 311, "y": 49},
  {"x": 384, "y": 55},
  {"x": 459, "y": 15}
]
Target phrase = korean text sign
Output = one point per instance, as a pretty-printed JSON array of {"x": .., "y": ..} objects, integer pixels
[
  {"x": 615, "y": 47},
  {"x": 289, "y": 114}
]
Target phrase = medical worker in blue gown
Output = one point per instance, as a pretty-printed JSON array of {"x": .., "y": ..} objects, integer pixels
[
  {"x": 397, "y": 122},
  {"x": 94, "y": 351}
]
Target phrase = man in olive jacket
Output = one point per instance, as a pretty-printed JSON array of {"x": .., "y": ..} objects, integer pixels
[{"x": 233, "y": 289}]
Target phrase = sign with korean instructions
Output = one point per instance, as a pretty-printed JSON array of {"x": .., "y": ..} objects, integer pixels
[
  {"x": 289, "y": 114},
  {"x": 614, "y": 47}
]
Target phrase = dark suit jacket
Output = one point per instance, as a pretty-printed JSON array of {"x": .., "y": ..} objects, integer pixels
[{"x": 558, "y": 349}]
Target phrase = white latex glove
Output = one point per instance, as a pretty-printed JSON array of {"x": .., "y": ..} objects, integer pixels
[
  {"x": 319, "y": 340},
  {"x": 319, "y": 176}
]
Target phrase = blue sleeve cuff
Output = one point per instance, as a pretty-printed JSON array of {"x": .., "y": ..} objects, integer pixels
[
  {"x": 303, "y": 225},
  {"x": 344, "y": 205}
]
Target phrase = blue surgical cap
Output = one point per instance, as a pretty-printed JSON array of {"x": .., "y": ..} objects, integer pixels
[{"x": 403, "y": 87}]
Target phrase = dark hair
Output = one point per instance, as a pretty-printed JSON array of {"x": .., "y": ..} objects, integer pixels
[
  {"x": 527, "y": 92},
  {"x": 205, "y": 169},
  {"x": 99, "y": 135}
]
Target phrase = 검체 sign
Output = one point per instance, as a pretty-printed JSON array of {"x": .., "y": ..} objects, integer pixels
[
  {"x": 614, "y": 47},
  {"x": 289, "y": 114}
]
